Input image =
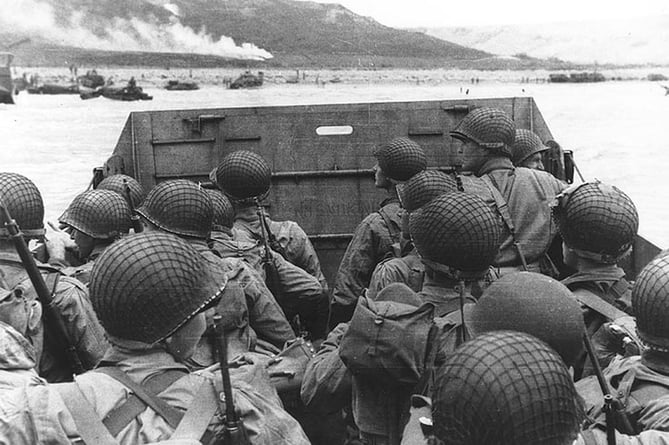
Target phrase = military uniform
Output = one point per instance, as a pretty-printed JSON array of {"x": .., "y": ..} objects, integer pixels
[{"x": 408, "y": 269}]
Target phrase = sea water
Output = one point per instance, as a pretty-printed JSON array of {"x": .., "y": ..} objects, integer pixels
[{"x": 618, "y": 130}]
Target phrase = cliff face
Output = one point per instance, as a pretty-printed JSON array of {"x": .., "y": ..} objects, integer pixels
[{"x": 271, "y": 30}]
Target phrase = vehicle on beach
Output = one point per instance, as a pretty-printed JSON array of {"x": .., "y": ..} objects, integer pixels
[
  {"x": 53, "y": 88},
  {"x": 6, "y": 83},
  {"x": 321, "y": 156},
  {"x": 248, "y": 80},
  {"x": 576, "y": 77},
  {"x": 181, "y": 85},
  {"x": 129, "y": 92}
]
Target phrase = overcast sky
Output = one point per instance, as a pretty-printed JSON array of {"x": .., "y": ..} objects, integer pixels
[{"x": 435, "y": 13}]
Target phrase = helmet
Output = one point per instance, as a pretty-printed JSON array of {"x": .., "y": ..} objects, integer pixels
[
  {"x": 243, "y": 175},
  {"x": 117, "y": 183},
  {"x": 597, "y": 220},
  {"x": 224, "y": 213},
  {"x": 650, "y": 303},
  {"x": 423, "y": 187},
  {"x": 24, "y": 203},
  {"x": 146, "y": 286},
  {"x": 535, "y": 304},
  {"x": 525, "y": 145},
  {"x": 457, "y": 230},
  {"x": 400, "y": 159},
  {"x": 179, "y": 206},
  {"x": 505, "y": 388},
  {"x": 101, "y": 214},
  {"x": 489, "y": 128}
]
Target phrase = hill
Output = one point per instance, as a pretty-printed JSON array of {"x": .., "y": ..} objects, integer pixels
[
  {"x": 217, "y": 32},
  {"x": 634, "y": 41}
]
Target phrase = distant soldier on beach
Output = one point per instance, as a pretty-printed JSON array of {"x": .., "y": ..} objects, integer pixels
[{"x": 397, "y": 161}]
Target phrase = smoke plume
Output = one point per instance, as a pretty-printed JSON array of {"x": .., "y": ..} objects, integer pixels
[{"x": 35, "y": 18}]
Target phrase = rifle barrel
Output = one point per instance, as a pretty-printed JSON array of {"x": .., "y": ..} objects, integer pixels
[{"x": 222, "y": 347}]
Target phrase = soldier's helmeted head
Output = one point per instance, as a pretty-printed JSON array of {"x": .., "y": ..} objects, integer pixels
[
  {"x": 98, "y": 214},
  {"x": 505, "y": 388},
  {"x": 456, "y": 234},
  {"x": 398, "y": 160},
  {"x": 244, "y": 176},
  {"x": 527, "y": 149},
  {"x": 650, "y": 305},
  {"x": 180, "y": 207},
  {"x": 24, "y": 203},
  {"x": 484, "y": 132},
  {"x": 597, "y": 222},
  {"x": 224, "y": 212},
  {"x": 535, "y": 304},
  {"x": 146, "y": 287},
  {"x": 117, "y": 183}
]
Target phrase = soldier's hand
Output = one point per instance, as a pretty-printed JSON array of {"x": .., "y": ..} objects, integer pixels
[{"x": 57, "y": 242}]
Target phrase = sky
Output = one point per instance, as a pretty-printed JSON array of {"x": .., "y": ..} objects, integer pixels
[{"x": 447, "y": 13}]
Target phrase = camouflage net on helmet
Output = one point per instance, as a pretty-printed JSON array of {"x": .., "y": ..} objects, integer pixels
[
  {"x": 457, "y": 230},
  {"x": 100, "y": 214},
  {"x": 423, "y": 187},
  {"x": 224, "y": 213},
  {"x": 505, "y": 388},
  {"x": 650, "y": 303},
  {"x": 526, "y": 144},
  {"x": 24, "y": 203},
  {"x": 117, "y": 183},
  {"x": 535, "y": 304},
  {"x": 488, "y": 127},
  {"x": 179, "y": 206},
  {"x": 597, "y": 218},
  {"x": 243, "y": 175},
  {"x": 401, "y": 158},
  {"x": 145, "y": 286}
]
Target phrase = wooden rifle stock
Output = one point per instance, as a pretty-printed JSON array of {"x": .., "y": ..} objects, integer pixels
[
  {"x": 52, "y": 317},
  {"x": 235, "y": 433},
  {"x": 616, "y": 417},
  {"x": 134, "y": 217},
  {"x": 272, "y": 279}
]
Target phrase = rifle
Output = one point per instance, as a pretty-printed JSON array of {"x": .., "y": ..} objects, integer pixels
[
  {"x": 272, "y": 278},
  {"x": 134, "y": 218},
  {"x": 234, "y": 431},
  {"x": 53, "y": 319},
  {"x": 613, "y": 408}
]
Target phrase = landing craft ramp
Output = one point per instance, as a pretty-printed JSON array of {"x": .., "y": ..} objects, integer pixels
[{"x": 321, "y": 155}]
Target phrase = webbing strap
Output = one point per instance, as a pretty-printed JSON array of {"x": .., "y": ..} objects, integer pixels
[
  {"x": 143, "y": 395},
  {"x": 89, "y": 426},
  {"x": 194, "y": 423},
  {"x": 597, "y": 304},
  {"x": 394, "y": 233},
  {"x": 501, "y": 204}
]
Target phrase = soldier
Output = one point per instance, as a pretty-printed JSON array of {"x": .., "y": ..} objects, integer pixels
[
  {"x": 598, "y": 224},
  {"x": 527, "y": 150},
  {"x": 70, "y": 297},
  {"x": 147, "y": 292},
  {"x": 457, "y": 236},
  {"x": 535, "y": 304},
  {"x": 299, "y": 293},
  {"x": 505, "y": 388},
  {"x": 183, "y": 208},
  {"x": 397, "y": 161},
  {"x": 94, "y": 219},
  {"x": 408, "y": 268},
  {"x": 520, "y": 195},
  {"x": 244, "y": 177},
  {"x": 117, "y": 183},
  {"x": 639, "y": 380}
]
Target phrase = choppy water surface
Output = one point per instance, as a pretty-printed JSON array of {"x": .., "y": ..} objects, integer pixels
[{"x": 618, "y": 130}]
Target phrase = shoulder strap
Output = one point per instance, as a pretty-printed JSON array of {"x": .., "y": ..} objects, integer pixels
[
  {"x": 394, "y": 232},
  {"x": 597, "y": 304},
  {"x": 194, "y": 423},
  {"x": 89, "y": 426},
  {"x": 143, "y": 395},
  {"x": 500, "y": 203}
]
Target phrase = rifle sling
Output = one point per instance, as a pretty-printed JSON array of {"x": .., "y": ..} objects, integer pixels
[
  {"x": 142, "y": 396},
  {"x": 597, "y": 304}
]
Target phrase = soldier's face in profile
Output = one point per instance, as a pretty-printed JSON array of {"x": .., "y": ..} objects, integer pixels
[
  {"x": 471, "y": 154},
  {"x": 534, "y": 162},
  {"x": 380, "y": 179}
]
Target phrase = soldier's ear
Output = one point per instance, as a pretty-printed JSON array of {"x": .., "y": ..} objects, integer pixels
[{"x": 34, "y": 316}]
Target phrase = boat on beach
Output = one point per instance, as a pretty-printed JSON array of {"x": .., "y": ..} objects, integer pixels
[
  {"x": 321, "y": 156},
  {"x": 248, "y": 80}
]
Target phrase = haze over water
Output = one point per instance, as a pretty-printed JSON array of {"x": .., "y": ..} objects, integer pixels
[{"x": 616, "y": 129}]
